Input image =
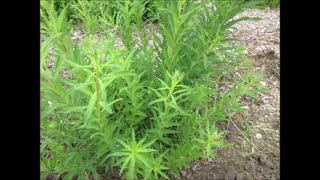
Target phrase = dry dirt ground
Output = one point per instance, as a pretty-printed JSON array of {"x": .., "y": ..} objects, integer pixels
[{"x": 255, "y": 134}]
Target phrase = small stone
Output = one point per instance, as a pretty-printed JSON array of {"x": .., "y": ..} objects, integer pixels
[
  {"x": 263, "y": 83},
  {"x": 258, "y": 136},
  {"x": 245, "y": 107}
]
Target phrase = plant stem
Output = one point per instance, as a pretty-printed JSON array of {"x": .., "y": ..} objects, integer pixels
[{"x": 98, "y": 93}]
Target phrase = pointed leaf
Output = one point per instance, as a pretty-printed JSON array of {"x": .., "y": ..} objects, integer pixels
[
  {"x": 231, "y": 23},
  {"x": 149, "y": 143},
  {"x": 45, "y": 48},
  {"x": 143, "y": 159},
  {"x": 105, "y": 106},
  {"x": 163, "y": 175},
  {"x": 157, "y": 100},
  {"x": 131, "y": 171},
  {"x": 90, "y": 107},
  {"x": 124, "y": 165},
  {"x": 146, "y": 150},
  {"x": 167, "y": 124},
  {"x": 123, "y": 144},
  {"x": 120, "y": 154}
]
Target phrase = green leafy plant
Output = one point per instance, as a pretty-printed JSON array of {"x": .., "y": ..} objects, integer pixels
[
  {"x": 266, "y": 3},
  {"x": 133, "y": 155},
  {"x": 272, "y": 3},
  {"x": 60, "y": 5},
  {"x": 146, "y": 109},
  {"x": 104, "y": 11}
]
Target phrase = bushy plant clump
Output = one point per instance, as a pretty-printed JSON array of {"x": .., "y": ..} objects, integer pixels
[{"x": 148, "y": 107}]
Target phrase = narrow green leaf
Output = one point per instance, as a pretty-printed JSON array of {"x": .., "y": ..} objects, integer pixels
[
  {"x": 146, "y": 150},
  {"x": 123, "y": 143},
  {"x": 105, "y": 106},
  {"x": 141, "y": 141},
  {"x": 45, "y": 48},
  {"x": 163, "y": 83},
  {"x": 120, "y": 154},
  {"x": 157, "y": 100},
  {"x": 163, "y": 175},
  {"x": 114, "y": 101},
  {"x": 102, "y": 88},
  {"x": 168, "y": 124},
  {"x": 157, "y": 93},
  {"x": 131, "y": 171},
  {"x": 231, "y": 23},
  {"x": 89, "y": 126},
  {"x": 250, "y": 93},
  {"x": 133, "y": 135},
  {"x": 124, "y": 165},
  {"x": 205, "y": 61},
  {"x": 174, "y": 104},
  {"x": 96, "y": 134},
  {"x": 50, "y": 110},
  {"x": 82, "y": 86},
  {"x": 143, "y": 159},
  {"x": 94, "y": 173},
  {"x": 90, "y": 107},
  {"x": 142, "y": 114},
  {"x": 79, "y": 109}
]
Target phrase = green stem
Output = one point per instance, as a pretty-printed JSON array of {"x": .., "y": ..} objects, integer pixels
[{"x": 98, "y": 93}]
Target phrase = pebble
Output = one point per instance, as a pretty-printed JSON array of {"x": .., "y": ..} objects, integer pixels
[
  {"x": 258, "y": 136},
  {"x": 245, "y": 107},
  {"x": 263, "y": 83}
]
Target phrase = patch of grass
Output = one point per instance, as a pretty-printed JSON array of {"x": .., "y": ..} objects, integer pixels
[
  {"x": 261, "y": 4},
  {"x": 147, "y": 109},
  {"x": 97, "y": 8},
  {"x": 245, "y": 126},
  {"x": 272, "y": 3}
]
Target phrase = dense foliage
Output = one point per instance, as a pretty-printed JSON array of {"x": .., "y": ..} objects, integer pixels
[{"x": 148, "y": 107}]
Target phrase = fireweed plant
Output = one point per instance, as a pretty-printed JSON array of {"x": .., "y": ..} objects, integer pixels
[{"x": 148, "y": 107}]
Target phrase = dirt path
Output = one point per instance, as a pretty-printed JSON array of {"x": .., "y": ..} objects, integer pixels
[{"x": 255, "y": 133}]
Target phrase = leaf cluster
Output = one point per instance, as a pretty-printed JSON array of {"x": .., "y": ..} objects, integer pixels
[{"x": 148, "y": 109}]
